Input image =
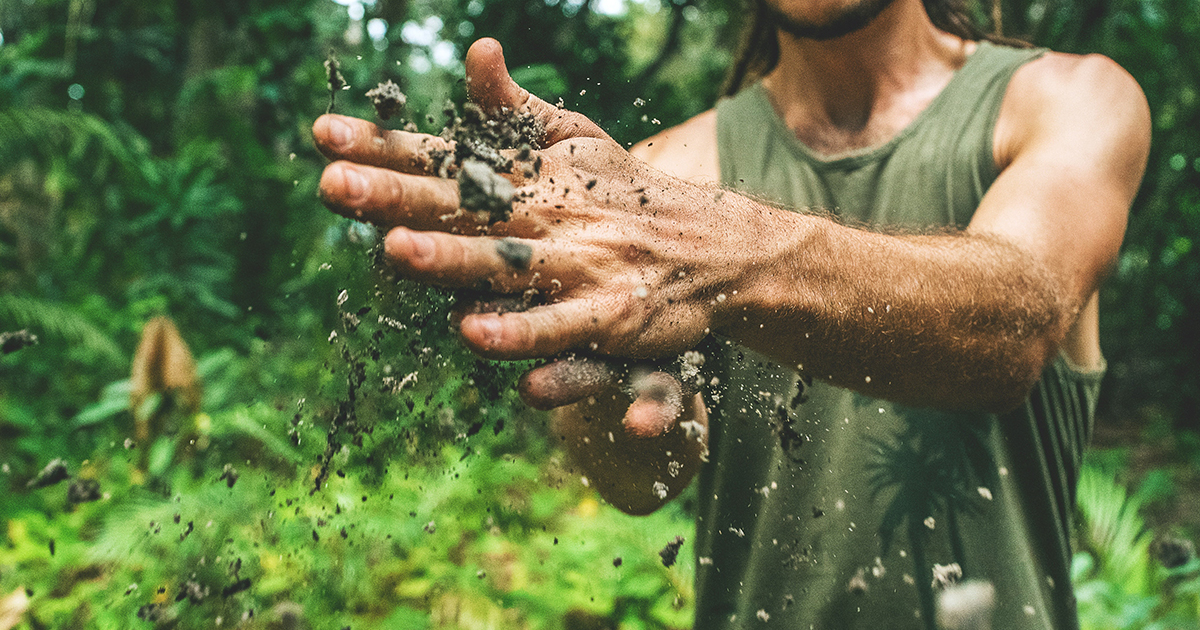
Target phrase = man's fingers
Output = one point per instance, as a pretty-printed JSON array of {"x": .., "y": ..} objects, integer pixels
[
  {"x": 565, "y": 382},
  {"x": 541, "y": 331},
  {"x": 501, "y": 265},
  {"x": 658, "y": 405},
  {"x": 387, "y": 198},
  {"x": 346, "y": 138},
  {"x": 489, "y": 85}
]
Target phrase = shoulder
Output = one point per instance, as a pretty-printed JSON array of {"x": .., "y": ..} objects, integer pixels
[
  {"x": 687, "y": 150},
  {"x": 1061, "y": 96}
]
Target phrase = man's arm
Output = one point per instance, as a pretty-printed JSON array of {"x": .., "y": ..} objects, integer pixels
[
  {"x": 966, "y": 320},
  {"x": 641, "y": 264}
]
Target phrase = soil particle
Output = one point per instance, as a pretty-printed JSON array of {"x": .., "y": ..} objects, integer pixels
[
  {"x": 858, "y": 584},
  {"x": 476, "y": 135},
  {"x": 83, "y": 491},
  {"x": 790, "y": 440},
  {"x": 191, "y": 591},
  {"x": 53, "y": 473},
  {"x": 229, "y": 475},
  {"x": 16, "y": 340},
  {"x": 671, "y": 551},
  {"x": 1173, "y": 552},
  {"x": 150, "y": 612},
  {"x": 387, "y": 99},
  {"x": 237, "y": 587},
  {"x": 946, "y": 575},
  {"x": 515, "y": 253},
  {"x": 483, "y": 191},
  {"x": 333, "y": 74}
]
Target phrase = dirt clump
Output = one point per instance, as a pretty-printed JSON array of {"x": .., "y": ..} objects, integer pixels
[
  {"x": 333, "y": 76},
  {"x": 484, "y": 192},
  {"x": 12, "y": 341},
  {"x": 671, "y": 552},
  {"x": 83, "y": 491},
  {"x": 53, "y": 473},
  {"x": 387, "y": 99}
]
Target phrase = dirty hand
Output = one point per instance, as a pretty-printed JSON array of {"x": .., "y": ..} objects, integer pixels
[{"x": 622, "y": 260}]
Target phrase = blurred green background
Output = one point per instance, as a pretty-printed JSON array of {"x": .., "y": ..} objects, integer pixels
[{"x": 155, "y": 160}]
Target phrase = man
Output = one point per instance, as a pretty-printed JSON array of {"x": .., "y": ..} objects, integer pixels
[{"x": 894, "y": 408}]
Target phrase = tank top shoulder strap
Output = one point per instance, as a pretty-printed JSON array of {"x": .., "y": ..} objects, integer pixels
[{"x": 749, "y": 130}]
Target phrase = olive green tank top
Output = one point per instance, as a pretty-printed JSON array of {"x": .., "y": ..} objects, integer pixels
[{"x": 822, "y": 508}]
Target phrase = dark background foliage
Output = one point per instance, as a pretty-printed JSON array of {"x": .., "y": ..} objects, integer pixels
[{"x": 155, "y": 158}]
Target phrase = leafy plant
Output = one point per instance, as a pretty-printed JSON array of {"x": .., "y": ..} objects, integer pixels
[{"x": 1118, "y": 581}]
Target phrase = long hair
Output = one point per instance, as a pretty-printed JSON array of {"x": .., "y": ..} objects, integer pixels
[{"x": 759, "y": 49}]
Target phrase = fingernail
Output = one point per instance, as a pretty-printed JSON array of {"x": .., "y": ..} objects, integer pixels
[
  {"x": 340, "y": 134},
  {"x": 356, "y": 184},
  {"x": 422, "y": 246}
]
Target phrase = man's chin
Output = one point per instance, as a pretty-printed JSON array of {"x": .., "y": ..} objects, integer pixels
[{"x": 849, "y": 20}]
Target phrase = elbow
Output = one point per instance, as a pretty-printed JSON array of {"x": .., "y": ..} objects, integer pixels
[{"x": 1016, "y": 376}]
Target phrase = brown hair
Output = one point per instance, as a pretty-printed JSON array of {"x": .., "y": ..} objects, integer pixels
[{"x": 759, "y": 49}]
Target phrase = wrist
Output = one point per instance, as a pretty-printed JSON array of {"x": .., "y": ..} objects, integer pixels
[{"x": 770, "y": 277}]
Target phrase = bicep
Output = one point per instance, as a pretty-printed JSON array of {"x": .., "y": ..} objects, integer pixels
[{"x": 1079, "y": 151}]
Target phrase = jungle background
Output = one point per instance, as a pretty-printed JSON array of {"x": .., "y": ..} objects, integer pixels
[{"x": 212, "y": 343}]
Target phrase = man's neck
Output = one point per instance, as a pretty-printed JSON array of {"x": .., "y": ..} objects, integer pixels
[{"x": 861, "y": 89}]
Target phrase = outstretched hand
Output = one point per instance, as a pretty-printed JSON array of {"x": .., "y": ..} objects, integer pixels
[{"x": 622, "y": 258}]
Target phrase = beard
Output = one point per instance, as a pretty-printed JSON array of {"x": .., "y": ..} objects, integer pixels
[{"x": 847, "y": 21}]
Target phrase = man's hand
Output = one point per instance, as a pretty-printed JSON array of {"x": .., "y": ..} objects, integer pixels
[{"x": 618, "y": 256}]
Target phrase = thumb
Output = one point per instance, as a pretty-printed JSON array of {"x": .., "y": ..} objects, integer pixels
[{"x": 490, "y": 86}]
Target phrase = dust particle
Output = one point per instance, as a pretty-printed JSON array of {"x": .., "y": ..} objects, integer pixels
[{"x": 229, "y": 475}]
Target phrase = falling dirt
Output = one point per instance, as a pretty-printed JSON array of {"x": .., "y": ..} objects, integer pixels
[
  {"x": 53, "y": 473},
  {"x": 387, "y": 99},
  {"x": 17, "y": 340},
  {"x": 670, "y": 552}
]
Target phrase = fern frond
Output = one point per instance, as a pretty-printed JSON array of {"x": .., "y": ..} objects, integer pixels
[
  {"x": 41, "y": 132},
  {"x": 1111, "y": 525},
  {"x": 52, "y": 321}
]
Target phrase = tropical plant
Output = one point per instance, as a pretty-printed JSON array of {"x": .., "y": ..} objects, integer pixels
[{"x": 1119, "y": 582}]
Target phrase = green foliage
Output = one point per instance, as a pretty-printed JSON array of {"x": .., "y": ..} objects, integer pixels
[
  {"x": 155, "y": 159},
  {"x": 55, "y": 322},
  {"x": 1118, "y": 582}
]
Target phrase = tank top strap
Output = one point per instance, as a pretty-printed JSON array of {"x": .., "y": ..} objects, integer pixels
[{"x": 751, "y": 137}]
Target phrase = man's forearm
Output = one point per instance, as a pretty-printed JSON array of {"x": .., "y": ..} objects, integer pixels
[{"x": 961, "y": 321}]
